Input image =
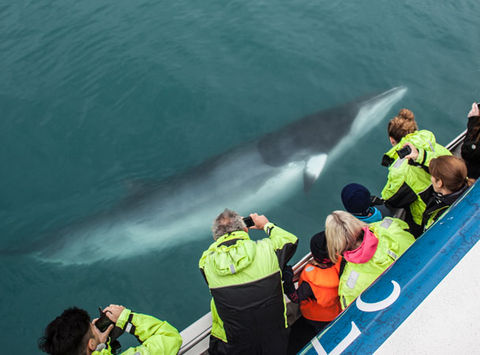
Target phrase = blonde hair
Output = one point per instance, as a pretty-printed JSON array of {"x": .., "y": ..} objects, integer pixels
[
  {"x": 402, "y": 124},
  {"x": 342, "y": 231},
  {"x": 451, "y": 170}
]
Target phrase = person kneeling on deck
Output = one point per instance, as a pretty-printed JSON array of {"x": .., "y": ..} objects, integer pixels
[
  {"x": 317, "y": 290},
  {"x": 244, "y": 277},
  {"x": 73, "y": 333},
  {"x": 357, "y": 200},
  {"x": 369, "y": 249}
]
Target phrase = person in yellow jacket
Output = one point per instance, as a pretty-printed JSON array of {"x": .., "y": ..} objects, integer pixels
[
  {"x": 408, "y": 176},
  {"x": 73, "y": 333},
  {"x": 369, "y": 249}
]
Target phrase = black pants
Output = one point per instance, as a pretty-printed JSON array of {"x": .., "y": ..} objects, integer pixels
[
  {"x": 275, "y": 344},
  {"x": 302, "y": 331}
]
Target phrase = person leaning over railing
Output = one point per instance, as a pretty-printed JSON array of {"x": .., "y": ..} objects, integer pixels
[
  {"x": 72, "y": 333},
  {"x": 449, "y": 182},
  {"x": 471, "y": 144},
  {"x": 408, "y": 177},
  {"x": 244, "y": 278},
  {"x": 368, "y": 249}
]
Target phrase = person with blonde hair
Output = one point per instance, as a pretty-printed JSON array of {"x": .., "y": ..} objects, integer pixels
[
  {"x": 449, "y": 182},
  {"x": 408, "y": 175},
  {"x": 369, "y": 249}
]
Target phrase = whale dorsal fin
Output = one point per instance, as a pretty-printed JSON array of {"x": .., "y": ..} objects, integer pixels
[{"x": 313, "y": 167}]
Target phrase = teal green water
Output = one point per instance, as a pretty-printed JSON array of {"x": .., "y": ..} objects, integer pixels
[{"x": 97, "y": 96}]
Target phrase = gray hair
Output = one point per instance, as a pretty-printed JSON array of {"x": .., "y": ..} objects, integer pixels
[{"x": 227, "y": 222}]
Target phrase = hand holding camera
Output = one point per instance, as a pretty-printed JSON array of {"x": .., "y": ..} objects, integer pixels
[
  {"x": 248, "y": 221},
  {"x": 113, "y": 312},
  {"x": 408, "y": 151},
  {"x": 105, "y": 325},
  {"x": 403, "y": 152},
  {"x": 255, "y": 221}
]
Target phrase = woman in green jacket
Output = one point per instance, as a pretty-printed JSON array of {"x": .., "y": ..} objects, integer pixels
[
  {"x": 408, "y": 176},
  {"x": 368, "y": 249}
]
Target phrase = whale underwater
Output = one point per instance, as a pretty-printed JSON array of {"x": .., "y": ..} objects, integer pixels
[{"x": 250, "y": 177}]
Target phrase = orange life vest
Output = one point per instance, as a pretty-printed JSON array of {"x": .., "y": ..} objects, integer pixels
[{"x": 324, "y": 284}]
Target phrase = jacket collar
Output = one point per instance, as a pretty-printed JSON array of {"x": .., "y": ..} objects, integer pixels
[
  {"x": 447, "y": 200},
  {"x": 231, "y": 253},
  {"x": 230, "y": 236}
]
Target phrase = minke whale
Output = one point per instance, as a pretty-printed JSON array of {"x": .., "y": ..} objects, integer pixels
[{"x": 247, "y": 178}]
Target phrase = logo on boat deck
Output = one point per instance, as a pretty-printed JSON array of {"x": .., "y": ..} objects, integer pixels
[{"x": 355, "y": 332}]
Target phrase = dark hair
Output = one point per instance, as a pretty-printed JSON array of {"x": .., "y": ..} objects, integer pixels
[
  {"x": 402, "y": 124},
  {"x": 67, "y": 334},
  {"x": 451, "y": 170}
]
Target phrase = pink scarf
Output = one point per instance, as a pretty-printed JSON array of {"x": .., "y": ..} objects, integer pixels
[{"x": 365, "y": 251}]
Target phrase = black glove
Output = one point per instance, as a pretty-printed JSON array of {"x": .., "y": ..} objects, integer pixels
[
  {"x": 287, "y": 273},
  {"x": 376, "y": 201},
  {"x": 288, "y": 285}
]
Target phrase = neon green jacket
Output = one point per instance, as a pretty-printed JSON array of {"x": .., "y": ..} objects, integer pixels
[
  {"x": 407, "y": 181},
  {"x": 157, "y": 337},
  {"x": 435, "y": 215},
  {"x": 393, "y": 240},
  {"x": 244, "y": 277}
]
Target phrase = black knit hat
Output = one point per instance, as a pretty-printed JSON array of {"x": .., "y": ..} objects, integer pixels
[
  {"x": 356, "y": 198},
  {"x": 318, "y": 247}
]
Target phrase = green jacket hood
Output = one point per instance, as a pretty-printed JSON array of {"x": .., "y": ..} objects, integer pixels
[
  {"x": 420, "y": 139},
  {"x": 231, "y": 253}
]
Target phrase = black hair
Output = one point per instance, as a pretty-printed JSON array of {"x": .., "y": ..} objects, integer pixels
[{"x": 66, "y": 334}]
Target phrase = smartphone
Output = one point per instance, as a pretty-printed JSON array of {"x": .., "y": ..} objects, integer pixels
[
  {"x": 248, "y": 221},
  {"x": 402, "y": 153}
]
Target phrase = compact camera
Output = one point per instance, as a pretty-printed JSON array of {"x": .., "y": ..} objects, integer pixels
[
  {"x": 402, "y": 153},
  {"x": 248, "y": 221},
  {"x": 102, "y": 323}
]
